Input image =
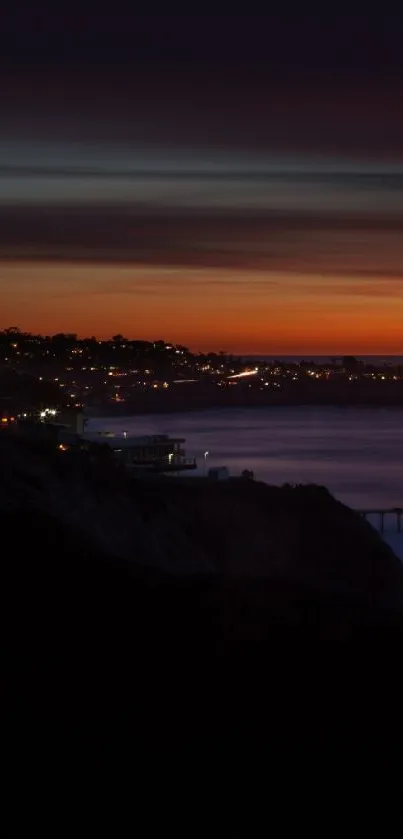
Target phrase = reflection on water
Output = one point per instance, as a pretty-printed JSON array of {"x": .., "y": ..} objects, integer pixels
[{"x": 356, "y": 452}]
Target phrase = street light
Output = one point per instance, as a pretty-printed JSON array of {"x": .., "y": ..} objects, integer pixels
[{"x": 206, "y": 454}]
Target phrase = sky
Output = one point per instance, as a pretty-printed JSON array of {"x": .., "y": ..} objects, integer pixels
[{"x": 224, "y": 183}]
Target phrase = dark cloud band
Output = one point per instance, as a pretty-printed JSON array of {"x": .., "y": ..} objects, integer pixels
[{"x": 306, "y": 243}]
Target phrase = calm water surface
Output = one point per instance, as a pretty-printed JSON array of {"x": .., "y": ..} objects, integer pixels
[{"x": 356, "y": 452}]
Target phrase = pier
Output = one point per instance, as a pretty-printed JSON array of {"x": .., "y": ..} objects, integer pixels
[{"x": 396, "y": 512}]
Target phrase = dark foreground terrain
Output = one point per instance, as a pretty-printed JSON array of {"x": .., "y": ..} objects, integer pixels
[{"x": 160, "y": 618}]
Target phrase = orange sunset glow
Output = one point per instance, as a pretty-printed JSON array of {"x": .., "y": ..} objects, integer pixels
[
  {"x": 238, "y": 311},
  {"x": 261, "y": 218}
]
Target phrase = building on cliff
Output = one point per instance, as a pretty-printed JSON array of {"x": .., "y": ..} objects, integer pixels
[{"x": 158, "y": 453}]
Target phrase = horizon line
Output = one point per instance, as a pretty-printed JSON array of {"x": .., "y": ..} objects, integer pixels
[{"x": 252, "y": 353}]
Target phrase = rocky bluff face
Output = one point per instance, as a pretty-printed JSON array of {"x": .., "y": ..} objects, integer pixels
[
  {"x": 147, "y": 615},
  {"x": 191, "y": 528}
]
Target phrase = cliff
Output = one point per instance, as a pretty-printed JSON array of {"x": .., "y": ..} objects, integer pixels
[
  {"x": 196, "y": 527},
  {"x": 145, "y": 608}
]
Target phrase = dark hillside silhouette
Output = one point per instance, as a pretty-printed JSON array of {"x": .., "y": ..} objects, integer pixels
[{"x": 108, "y": 653}]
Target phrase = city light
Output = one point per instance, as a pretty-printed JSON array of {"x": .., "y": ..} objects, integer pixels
[
  {"x": 48, "y": 412},
  {"x": 244, "y": 374}
]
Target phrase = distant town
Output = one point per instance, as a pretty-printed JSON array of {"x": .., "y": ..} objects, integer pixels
[{"x": 124, "y": 376}]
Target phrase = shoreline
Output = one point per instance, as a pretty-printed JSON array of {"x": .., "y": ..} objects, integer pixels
[{"x": 112, "y": 412}]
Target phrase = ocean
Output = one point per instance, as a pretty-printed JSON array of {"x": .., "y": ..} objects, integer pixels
[
  {"x": 377, "y": 360},
  {"x": 357, "y": 453}
]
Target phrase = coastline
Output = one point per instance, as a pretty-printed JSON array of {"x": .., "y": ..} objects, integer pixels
[{"x": 195, "y": 405}]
